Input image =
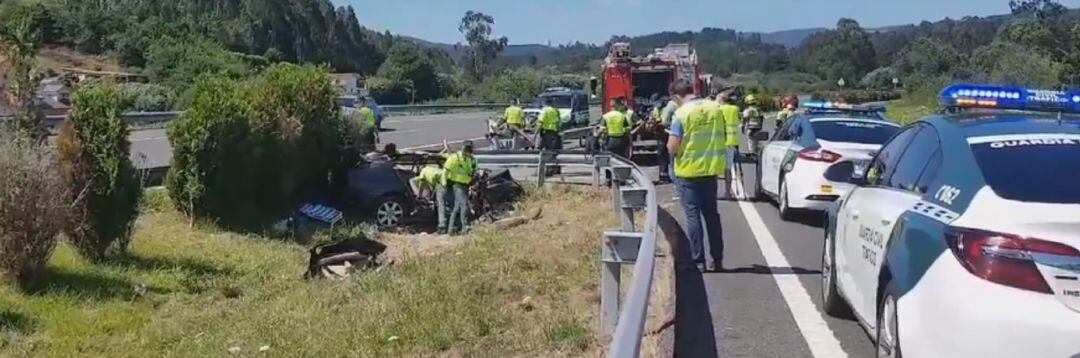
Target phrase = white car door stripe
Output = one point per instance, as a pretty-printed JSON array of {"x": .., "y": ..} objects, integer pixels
[{"x": 819, "y": 337}]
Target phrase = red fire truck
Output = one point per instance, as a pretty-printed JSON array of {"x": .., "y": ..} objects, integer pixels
[
  {"x": 643, "y": 81},
  {"x": 639, "y": 78}
]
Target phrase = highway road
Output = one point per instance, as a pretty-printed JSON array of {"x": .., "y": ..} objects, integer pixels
[
  {"x": 150, "y": 147},
  {"x": 767, "y": 302}
]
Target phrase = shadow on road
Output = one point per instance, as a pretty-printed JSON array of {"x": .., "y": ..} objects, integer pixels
[
  {"x": 694, "y": 331},
  {"x": 767, "y": 270}
]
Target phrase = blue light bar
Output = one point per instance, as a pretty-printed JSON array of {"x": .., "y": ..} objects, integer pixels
[
  {"x": 1014, "y": 98},
  {"x": 819, "y": 106}
]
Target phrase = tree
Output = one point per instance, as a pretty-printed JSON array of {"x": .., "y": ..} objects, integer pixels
[
  {"x": 406, "y": 68},
  {"x": 1039, "y": 9},
  {"x": 20, "y": 38},
  {"x": 928, "y": 57},
  {"x": 846, "y": 52},
  {"x": 96, "y": 165},
  {"x": 477, "y": 26},
  {"x": 1012, "y": 64}
]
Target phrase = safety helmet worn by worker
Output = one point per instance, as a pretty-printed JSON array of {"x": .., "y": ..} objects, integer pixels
[{"x": 751, "y": 99}]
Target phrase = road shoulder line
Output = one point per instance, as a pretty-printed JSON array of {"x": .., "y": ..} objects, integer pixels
[{"x": 819, "y": 337}]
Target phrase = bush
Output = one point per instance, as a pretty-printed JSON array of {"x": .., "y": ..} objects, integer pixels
[
  {"x": 245, "y": 153},
  {"x": 145, "y": 97},
  {"x": 295, "y": 113},
  {"x": 211, "y": 172},
  {"x": 94, "y": 159},
  {"x": 33, "y": 208}
]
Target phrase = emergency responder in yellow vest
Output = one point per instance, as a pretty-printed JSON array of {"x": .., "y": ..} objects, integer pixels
[
  {"x": 616, "y": 127},
  {"x": 550, "y": 129},
  {"x": 458, "y": 174},
  {"x": 732, "y": 121},
  {"x": 431, "y": 181},
  {"x": 698, "y": 144},
  {"x": 753, "y": 120},
  {"x": 515, "y": 116},
  {"x": 665, "y": 158}
]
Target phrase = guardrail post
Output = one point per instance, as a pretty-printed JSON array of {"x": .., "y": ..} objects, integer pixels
[
  {"x": 541, "y": 169},
  {"x": 599, "y": 162}
]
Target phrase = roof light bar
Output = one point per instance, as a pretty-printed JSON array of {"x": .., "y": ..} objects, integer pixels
[
  {"x": 826, "y": 106},
  {"x": 1014, "y": 98}
]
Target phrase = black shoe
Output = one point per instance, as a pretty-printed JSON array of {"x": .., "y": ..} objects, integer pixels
[
  {"x": 718, "y": 266},
  {"x": 442, "y": 231}
]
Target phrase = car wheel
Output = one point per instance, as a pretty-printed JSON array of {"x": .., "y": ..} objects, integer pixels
[
  {"x": 832, "y": 302},
  {"x": 786, "y": 212},
  {"x": 759, "y": 193},
  {"x": 390, "y": 212},
  {"x": 888, "y": 338}
]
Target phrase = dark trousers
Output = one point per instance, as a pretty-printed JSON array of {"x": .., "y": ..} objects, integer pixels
[
  {"x": 459, "y": 212},
  {"x": 663, "y": 156},
  {"x": 619, "y": 146},
  {"x": 551, "y": 141},
  {"x": 698, "y": 199}
]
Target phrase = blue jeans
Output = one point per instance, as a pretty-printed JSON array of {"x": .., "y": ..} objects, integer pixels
[
  {"x": 442, "y": 205},
  {"x": 698, "y": 199},
  {"x": 460, "y": 212}
]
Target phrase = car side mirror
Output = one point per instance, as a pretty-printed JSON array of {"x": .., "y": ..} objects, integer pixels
[{"x": 760, "y": 136}]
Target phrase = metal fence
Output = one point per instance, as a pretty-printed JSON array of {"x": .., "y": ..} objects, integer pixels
[{"x": 632, "y": 243}]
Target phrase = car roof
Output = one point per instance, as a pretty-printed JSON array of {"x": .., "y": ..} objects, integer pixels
[
  {"x": 979, "y": 124},
  {"x": 842, "y": 115},
  {"x": 839, "y": 118}
]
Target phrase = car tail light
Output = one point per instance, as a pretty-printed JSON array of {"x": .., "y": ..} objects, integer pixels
[
  {"x": 819, "y": 155},
  {"x": 1003, "y": 258}
]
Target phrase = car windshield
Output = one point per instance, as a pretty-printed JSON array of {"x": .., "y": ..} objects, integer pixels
[
  {"x": 853, "y": 131},
  {"x": 561, "y": 101},
  {"x": 1036, "y": 169}
]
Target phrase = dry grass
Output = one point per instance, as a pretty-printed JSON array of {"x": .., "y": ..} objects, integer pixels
[
  {"x": 56, "y": 58},
  {"x": 526, "y": 291}
]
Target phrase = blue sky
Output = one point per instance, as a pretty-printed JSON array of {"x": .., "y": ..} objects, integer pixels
[{"x": 563, "y": 21}]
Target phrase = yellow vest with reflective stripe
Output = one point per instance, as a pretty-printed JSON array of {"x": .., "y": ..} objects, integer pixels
[
  {"x": 459, "y": 168},
  {"x": 616, "y": 123},
  {"x": 515, "y": 115},
  {"x": 367, "y": 115},
  {"x": 732, "y": 121},
  {"x": 432, "y": 176},
  {"x": 550, "y": 119},
  {"x": 702, "y": 151}
]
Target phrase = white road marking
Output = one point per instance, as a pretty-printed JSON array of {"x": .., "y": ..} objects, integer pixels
[{"x": 812, "y": 326}]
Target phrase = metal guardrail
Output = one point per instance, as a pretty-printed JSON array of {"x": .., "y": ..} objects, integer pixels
[{"x": 632, "y": 191}]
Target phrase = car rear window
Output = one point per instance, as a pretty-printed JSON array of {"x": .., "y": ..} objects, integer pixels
[
  {"x": 853, "y": 131},
  {"x": 1037, "y": 169}
]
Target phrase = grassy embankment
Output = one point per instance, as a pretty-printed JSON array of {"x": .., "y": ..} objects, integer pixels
[{"x": 202, "y": 292}]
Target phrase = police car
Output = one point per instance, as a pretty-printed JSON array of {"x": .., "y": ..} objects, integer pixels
[
  {"x": 799, "y": 167},
  {"x": 962, "y": 238}
]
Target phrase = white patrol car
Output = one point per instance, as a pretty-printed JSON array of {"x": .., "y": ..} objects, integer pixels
[
  {"x": 962, "y": 239},
  {"x": 802, "y": 167}
]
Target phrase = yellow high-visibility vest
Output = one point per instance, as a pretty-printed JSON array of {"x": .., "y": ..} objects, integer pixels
[
  {"x": 550, "y": 119},
  {"x": 732, "y": 121},
  {"x": 703, "y": 147},
  {"x": 367, "y": 115},
  {"x": 616, "y": 123},
  {"x": 459, "y": 168},
  {"x": 515, "y": 115},
  {"x": 432, "y": 176}
]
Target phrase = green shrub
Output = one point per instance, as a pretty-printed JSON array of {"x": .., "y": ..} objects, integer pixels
[
  {"x": 245, "y": 153},
  {"x": 94, "y": 156},
  {"x": 212, "y": 171},
  {"x": 145, "y": 97},
  {"x": 299, "y": 125},
  {"x": 33, "y": 208}
]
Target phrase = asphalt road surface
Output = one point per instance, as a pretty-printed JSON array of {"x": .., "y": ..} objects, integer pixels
[
  {"x": 767, "y": 302},
  {"x": 150, "y": 147}
]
